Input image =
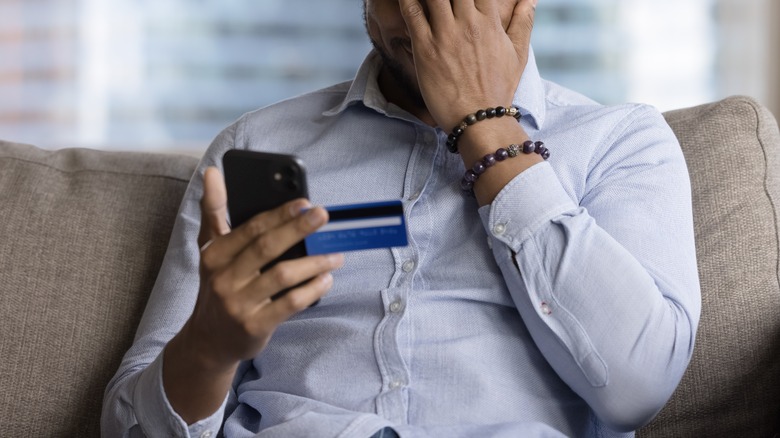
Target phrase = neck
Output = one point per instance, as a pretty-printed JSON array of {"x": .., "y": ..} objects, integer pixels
[{"x": 396, "y": 95}]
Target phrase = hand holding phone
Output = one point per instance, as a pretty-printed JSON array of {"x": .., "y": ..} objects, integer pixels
[
  {"x": 259, "y": 181},
  {"x": 234, "y": 317}
]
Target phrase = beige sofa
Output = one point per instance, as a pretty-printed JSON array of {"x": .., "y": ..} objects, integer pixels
[{"x": 82, "y": 234}]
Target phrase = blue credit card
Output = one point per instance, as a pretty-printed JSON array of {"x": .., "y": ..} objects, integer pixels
[{"x": 360, "y": 226}]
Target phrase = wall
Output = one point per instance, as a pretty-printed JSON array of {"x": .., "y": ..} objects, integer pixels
[
  {"x": 774, "y": 59},
  {"x": 749, "y": 41}
]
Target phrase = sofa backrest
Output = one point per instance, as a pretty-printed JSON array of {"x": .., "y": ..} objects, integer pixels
[
  {"x": 82, "y": 235},
  {"x": 732, "y": 386}
]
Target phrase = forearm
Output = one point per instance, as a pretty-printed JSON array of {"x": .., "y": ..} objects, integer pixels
[
  {"x": 136, "y": 397},
  {"x": 617, "y": 325},
  {"x": 135, "y": 404},
  {"x": 485, "y": 138},
  {"x": 195, "y": 385},
  {"x": 621, "y": 342}
]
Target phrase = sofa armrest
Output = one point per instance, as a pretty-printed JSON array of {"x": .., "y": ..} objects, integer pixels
[
  {"x": 83, "y": 234},
  {"x": 732, "y": 148}
]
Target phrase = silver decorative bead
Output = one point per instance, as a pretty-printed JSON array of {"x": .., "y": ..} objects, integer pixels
[{"x": 513, "y": 150}]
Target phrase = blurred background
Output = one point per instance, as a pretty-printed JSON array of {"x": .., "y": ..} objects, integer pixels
[{"x": 170, "y": 74}]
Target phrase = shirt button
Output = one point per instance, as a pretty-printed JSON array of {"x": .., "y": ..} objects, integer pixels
[
  {"x": 408, "y": 266},
  {"x": 206, "y": 434},
  {"x": 499, "y": 229},
  {"x": 396, "y": 306},
  {"x": 546, "y": 308},
  {"x": 395, "y": 384},
  {"x": 415, "y": 196},
  {"x": 429, "y": 137}
]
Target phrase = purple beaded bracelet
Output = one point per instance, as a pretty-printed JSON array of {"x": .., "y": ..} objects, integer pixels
[{"x": 513, "y": 150}]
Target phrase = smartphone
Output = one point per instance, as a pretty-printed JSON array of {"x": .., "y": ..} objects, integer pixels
[{"x": 261, "y": 181}]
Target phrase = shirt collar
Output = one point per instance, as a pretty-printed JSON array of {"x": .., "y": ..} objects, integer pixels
[
  {"x": 364, "y": 88},
  {"x": 529, "y": 96}
]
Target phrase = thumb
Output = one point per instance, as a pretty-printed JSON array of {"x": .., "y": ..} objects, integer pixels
[
  {"x": 520, "y": 27},
  {"x": 213, "y": 207}
]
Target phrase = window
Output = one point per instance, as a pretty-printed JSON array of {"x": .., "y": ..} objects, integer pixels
[
  {"x": 629, "y": 50},
  {"x": 170, "y": 74}
]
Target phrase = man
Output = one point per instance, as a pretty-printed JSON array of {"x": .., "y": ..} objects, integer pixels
[{"x": 561, "y": 299}]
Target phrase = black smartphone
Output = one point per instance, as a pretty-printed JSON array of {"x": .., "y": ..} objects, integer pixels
[{"x": 261, "y": 181}]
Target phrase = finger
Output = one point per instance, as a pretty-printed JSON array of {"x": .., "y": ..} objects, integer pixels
[
  {"x": 290, "y": 273},
  {"x": 273, "y": 313},
  {"x": 274, "y": 243},
  {"x": 520, "y": 27},
  {"x": 442, "y": 12},
  {"x": 487, "y": 7},
  {"x": 213, "y": 207},
  {"x": 462, "y": 8},
  {"x": 414, "y": 17},
  {"x": 223, "y": 250}
]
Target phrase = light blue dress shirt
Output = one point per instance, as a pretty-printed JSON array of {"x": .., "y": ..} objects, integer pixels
[{"x": 568, "y": 306}]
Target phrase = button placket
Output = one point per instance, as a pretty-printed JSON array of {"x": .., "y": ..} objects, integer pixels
[{"x": 391, "y": 403}]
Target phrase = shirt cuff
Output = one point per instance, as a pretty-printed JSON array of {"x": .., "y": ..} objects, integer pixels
[
  {"x": 155, "y": 414},
  {"x": 530, "y": 200}
]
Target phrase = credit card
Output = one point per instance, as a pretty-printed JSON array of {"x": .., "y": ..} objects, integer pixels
[{"x": 360, "y": 226}]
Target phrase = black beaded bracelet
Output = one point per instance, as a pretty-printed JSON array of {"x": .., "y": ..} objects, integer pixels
[
  {"x": 513, "y": 150},
  {"x": 489, "y": 113}
]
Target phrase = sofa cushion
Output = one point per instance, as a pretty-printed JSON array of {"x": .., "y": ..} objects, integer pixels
[
  {"x": 83, "y": 234},
  {"x": 732, "y": 149}
]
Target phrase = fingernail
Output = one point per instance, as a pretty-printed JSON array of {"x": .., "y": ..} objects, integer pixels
[
  {"x": 314, "y": 218},
  {"x": 327, "y": 279},
  {"x": 534, "y": 2},
  {"x": 336, "y": 260},
  {"x": 297, "y": 208}
]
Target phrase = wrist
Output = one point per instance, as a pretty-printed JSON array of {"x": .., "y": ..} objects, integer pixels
[
  {"x": 192, "y": 345},
  {"x": 493, "y": 180},
  {"x": 482, "y": 115},
  {"x": 484, "y": 138},
  {"x": 194, "y": 384}
]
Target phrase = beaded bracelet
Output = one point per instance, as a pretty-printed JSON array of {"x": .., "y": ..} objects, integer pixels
[
  {"x": 513, "y": 150},
  {"x": 489, "y": 113}
]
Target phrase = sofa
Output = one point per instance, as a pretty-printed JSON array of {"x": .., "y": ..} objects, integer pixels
[{"x": 83, "y": 233}]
